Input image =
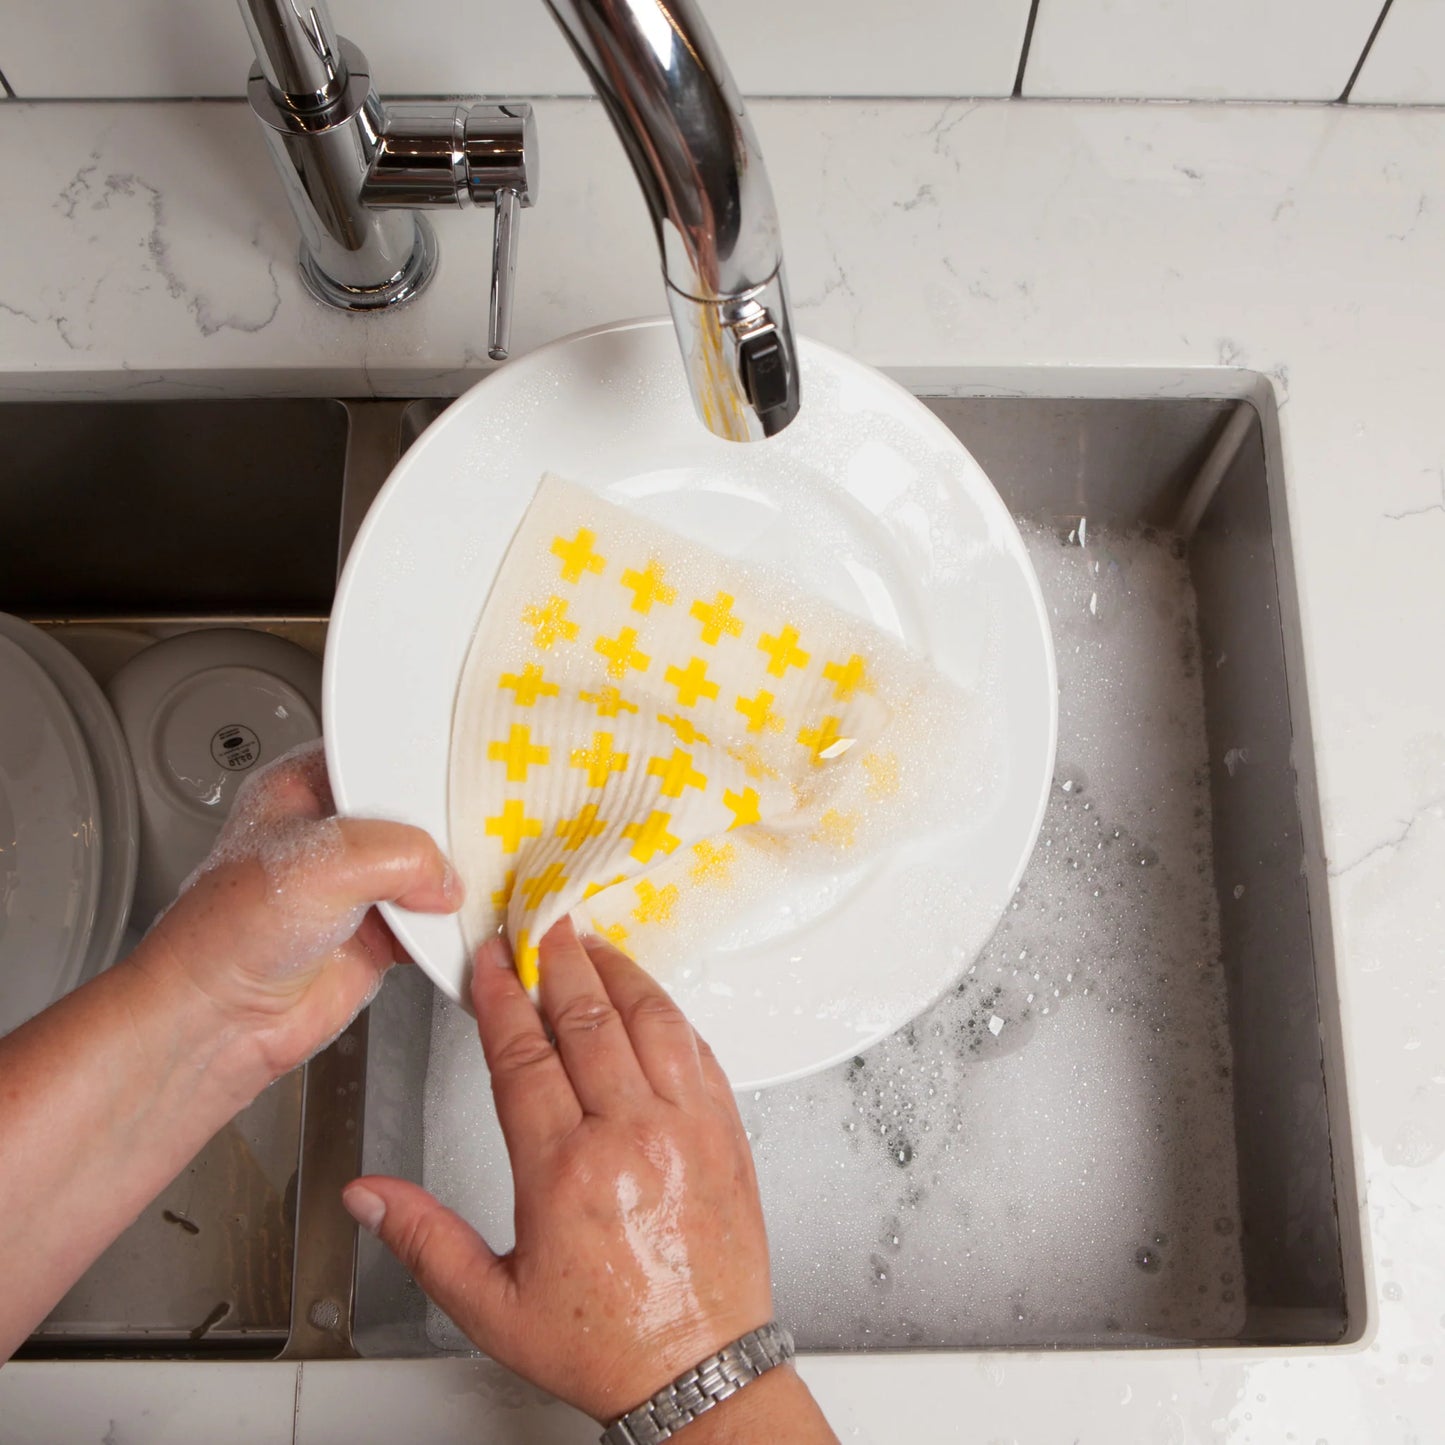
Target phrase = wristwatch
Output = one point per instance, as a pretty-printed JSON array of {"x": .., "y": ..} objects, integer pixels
[{"x": 697, "y": 1390}]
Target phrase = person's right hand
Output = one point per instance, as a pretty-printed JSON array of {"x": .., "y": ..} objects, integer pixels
[{"x": 640, "y": 1242}]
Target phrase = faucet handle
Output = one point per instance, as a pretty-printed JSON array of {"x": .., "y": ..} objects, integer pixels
[
  {"x": 500, "y": 152},
  {"x": 504, "y": 273},
  {"x": 432, "y": 156}
]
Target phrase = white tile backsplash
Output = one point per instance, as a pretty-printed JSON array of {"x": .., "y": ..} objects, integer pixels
[
  {"x": 513, "y": 47},
  {"x": 1300, "y": 50},
  {"x": 854, "y": 47},
  {"x": 1406, "y": 64},
  {"x": 1198, "y": 49}
]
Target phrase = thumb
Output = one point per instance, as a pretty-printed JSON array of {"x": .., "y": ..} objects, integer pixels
[
  {"x": 443, "y": 1253},
  {"x": 395, "y": 862}
]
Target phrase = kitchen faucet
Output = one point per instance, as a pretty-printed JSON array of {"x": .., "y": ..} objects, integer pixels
[{"x": 358, "y": 173}]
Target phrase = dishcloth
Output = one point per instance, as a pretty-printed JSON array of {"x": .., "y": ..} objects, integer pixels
[{"x": 649, "y": 736}]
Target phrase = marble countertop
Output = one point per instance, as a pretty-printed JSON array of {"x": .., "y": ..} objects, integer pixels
[{"x": 148, "y": 249}]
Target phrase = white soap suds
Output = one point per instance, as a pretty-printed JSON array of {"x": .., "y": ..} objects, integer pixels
[{"x": 281, "y": 819}]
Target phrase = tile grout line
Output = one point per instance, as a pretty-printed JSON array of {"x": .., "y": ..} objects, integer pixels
[
  {"x": 1018, "y": 89},
  {"x": 296, "y": 1402},
  {"x": 1365, "y": 53},
  {"x": 1094, "y": 101}
]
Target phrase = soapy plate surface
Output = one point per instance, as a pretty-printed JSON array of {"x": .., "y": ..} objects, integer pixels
[{"x": 866, "y": 501}]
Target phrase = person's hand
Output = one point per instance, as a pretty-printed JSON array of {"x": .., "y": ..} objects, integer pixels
[
  {"x": 277, "y": 931},
  {"x": 640, "y": 1243}
]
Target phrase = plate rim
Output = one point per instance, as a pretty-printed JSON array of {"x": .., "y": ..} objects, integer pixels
[
  {"x": 110, "y": 761},
  {"x": 76, "y": 956}
]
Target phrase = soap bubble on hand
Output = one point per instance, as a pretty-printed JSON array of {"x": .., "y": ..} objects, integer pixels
[
  {"x": 278, "y": 925},
  {"x": 283, "y": 818}
]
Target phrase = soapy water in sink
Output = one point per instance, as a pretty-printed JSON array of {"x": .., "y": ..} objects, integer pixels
[{"x": 1047, "y": 1155}]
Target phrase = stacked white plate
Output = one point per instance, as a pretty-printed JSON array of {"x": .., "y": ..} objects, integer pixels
[
  {"x": 200, "y": 711},
  {"x": 69, "y": 828}
]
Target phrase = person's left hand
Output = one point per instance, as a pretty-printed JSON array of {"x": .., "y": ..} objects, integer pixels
[{"x": 277, "y": 932}]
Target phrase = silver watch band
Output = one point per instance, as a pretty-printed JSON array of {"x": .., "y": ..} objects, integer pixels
[{"x": 697, "y": 1390}]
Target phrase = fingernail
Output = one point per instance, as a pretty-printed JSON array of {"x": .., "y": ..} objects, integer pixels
[
  {"x": 496, "y": 952},
  {"x": 563, "y": 931},
  {"x": 366, "y": 1208},
  {"x": 453, "y": 889}
]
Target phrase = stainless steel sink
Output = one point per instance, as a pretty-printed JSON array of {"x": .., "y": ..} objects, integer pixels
[
  {"x": 163, "y": 516},
  {"x": 166, "y": 511}
]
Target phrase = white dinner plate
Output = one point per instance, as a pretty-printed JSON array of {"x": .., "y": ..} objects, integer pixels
[
  {"x": 100, "y": 648},
  {"x": 866, "y": 499},
  {"x": 200, "y": 712},
  {"x": 119, "y": 827},
  {"x": 49, "y": 841}
]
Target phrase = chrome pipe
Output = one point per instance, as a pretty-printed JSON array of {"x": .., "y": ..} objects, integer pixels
[
  {"x": 352, "y": 255},
  {"x": 297, "y": 51},
  {"x": 358, "y": 174}
]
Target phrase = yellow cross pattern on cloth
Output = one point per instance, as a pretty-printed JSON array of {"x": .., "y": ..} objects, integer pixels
[
  {"x": 646, "y": 732},
  {"x": 528, "y": 685},
  {"x": 654, "y": 904},
  {"x": 527, "y": 957},
  {"x": 744, "y": 806},
  {"x": 677, "y": 773},
  {"x": 512, "y": 825},
  {"x": 848, "y": 677},
  {"x": 608, "y": 701},
  {"x": 783, "y": 651},
  {"x": 648, "y": 587},
  {"x": 883, "y": 774},
  {"x": 839, "y": 829},
  {"x": 592, "y": 889},
  {"x": 599, "y": 760},
  {"x": 577, "y": 555},
  {"x": 519, "y": 753},
  {"x": 717, "y": 618},
  {"x": 714, "y": 862},
  {"x": 578, "y": 830},
  {"x": 550, "y": 880},
  {"x": 759, "y": 712},
  {"x": 550, "y": 623},
  {"x": 755, "y": 765},
  {"x": 651, "y": 837},
  {"x": 686, "y": 732},
  {"x": 621, "y": 654},
  {"x": 819, "y": 739},
  {"x": 691, "y": 682}
]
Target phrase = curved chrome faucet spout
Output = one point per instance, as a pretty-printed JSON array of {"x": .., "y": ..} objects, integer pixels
[{"x": 656, "y": 67}]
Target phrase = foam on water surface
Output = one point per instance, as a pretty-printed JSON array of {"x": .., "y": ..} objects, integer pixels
[{"x": 1048, "y": 1153}]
